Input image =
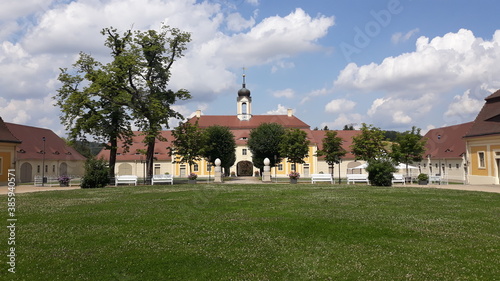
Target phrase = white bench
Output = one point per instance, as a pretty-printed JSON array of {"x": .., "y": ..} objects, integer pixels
[
  {"x": 398, "y": 178},
  {"x": 357, "y": 178},
  {"x": 162, "y": 178},
  {"x": 49, "y": 181},
  {"x": 126, "y": 179},
  {"x": 75, "y": 181},
  {"x": 321, "y": 177},
  {"x": 437, "y": 179}
]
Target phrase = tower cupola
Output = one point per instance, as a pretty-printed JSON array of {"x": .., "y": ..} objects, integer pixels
[{"x": 244, "y": 103}]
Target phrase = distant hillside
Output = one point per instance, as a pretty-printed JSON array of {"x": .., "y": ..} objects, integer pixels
[{"x": 86, "y": 148}]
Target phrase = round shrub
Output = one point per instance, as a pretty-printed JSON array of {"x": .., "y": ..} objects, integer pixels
[
  {"x": 380, "y": 172},
  {"x": 96, "y": 173}
]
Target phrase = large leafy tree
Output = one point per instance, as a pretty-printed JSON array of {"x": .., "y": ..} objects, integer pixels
[
  {"x": 409, "y": 147},
  {"x": 294, "y": 146},
  {"x": 370, "y": 144},
  {"x": 146, "y": 65},
  {"x": 188, "y": 144},
  {"x": 137, "y": 78},
  {"x": 264, "y": 143},
  {"x": 85, "y": 115},
  {"x": 220, "y": 143},
  {"x": 332, "y": 149}
]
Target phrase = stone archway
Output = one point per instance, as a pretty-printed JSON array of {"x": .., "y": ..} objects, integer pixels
[
  {"x": 26, "y": 172},
  {"x": 244, "y": 169},
  {"x": 63, "y": 169},
  {"x": 125, "y": 169}
]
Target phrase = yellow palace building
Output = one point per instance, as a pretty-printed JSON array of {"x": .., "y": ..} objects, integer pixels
[
  {"x": 483, "y": 143},
  {"x": 132, "y": 162}
]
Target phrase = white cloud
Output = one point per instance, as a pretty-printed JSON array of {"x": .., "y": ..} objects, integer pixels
[
  {"x": 31, "y": 112},
  {"x": 375, "y": 105},
  {"x": 280, "y": 110},
  {"x": 387, "y": 112},
  {"x": 282, "y": 65},
  {"x": 286, "y": 93},
  {"x": 343, "y": 119},
  {"x": 273, "y": 39},
  {"x": 413, "y": 87},
  {"x": 253, "y": 2},
  {"x": 315, "y": 93},
  {"x": 399, "y": 117},
  {"x": 339, "y": 105},
  {"x": 58, "y": 31},
  {"x": 437, "y": 65},
  {"x": 464, "y": 107},
  {"x": 399, "y": 37},
  {"x": 235, "y": 22}
]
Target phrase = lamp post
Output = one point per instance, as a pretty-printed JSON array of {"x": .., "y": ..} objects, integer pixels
[
  {"x": 275, "y": 169},
  {"x": 340, "y": 161},
  {"x": 43, "y": 162}
]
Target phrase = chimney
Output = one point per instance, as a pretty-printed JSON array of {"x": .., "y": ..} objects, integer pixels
[
  {"x": 198, "y": 113},
  {"x": 290, "y": 112}
]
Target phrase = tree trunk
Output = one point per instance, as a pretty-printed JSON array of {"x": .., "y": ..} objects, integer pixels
[
  {"x": 112, "y": 156},
  {"x": 150, "y": 157}
]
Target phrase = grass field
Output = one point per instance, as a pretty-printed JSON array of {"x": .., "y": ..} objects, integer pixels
[{"x": 256, "y": 232}]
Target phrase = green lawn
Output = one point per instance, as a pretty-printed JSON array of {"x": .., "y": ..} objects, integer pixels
[{"x": 256, "y": 232}]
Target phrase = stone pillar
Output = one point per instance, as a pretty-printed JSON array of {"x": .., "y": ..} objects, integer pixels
[
  {"x": 266, "y": 175},
  {"x": 218, "y": 171}
]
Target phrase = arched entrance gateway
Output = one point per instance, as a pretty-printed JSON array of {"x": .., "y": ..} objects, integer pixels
[
  {"x": 26, "y": 172},
  {"x": 244, "y": 169}
]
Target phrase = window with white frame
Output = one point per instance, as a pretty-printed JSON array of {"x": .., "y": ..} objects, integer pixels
[
  {"x": 280, "y": 167},
  {"x": 481, "y": 162},
  {"x": 293, "y": 167},
  {"x": 244, "y": 151},
  {"x": 195, "y": 167}
]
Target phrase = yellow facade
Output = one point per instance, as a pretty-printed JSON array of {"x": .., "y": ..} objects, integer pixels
[
  {"x": 484, "y": 159},
  {"x": 203, "y": 169},
  {"x": 7, "y": 152}
]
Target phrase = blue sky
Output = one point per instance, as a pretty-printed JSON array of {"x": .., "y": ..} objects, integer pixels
[{"x": 392, "y": 63}]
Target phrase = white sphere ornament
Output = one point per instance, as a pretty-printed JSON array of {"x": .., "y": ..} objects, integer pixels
[
  {"x": 267, "y": 162},
  {"x": 217, "y": 162}
]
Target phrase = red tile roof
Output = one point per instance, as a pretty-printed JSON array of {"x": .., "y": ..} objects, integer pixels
[
  {"x": 240, "y": 129},
  {"x": 233, "y": 123},
  {"x": 447, "y": 142},
  {"x": 134, "y": 154},
  {"x": 6, "y": 135},
  {"x": 488, "y": 120},
  {"x": 346, "y": 135},
  {"x": 32, "y": 144}
]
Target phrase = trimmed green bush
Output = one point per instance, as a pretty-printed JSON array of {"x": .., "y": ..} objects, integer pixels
[
  {"x": 380, "y": 172},
  {"x": 96, "y": 173}
]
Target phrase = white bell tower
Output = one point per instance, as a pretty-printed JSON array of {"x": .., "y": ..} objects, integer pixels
[{"x": 244, "y": 103}]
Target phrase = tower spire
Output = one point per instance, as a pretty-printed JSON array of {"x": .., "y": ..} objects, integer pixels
[
  {"x": 244, "y": 101},
  {"x": 244, "y": 83}
]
